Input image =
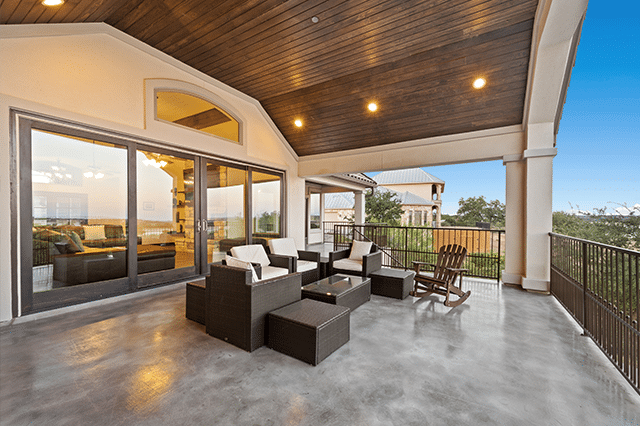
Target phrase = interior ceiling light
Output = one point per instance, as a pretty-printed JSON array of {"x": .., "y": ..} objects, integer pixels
[
  {"x": 479, "y": 83},
  {"x": 52, "y": 2},
  {"x": 298, "y": 123},
  {"x": 372, "y": 107},
  {"x": 315, "y": 19}
]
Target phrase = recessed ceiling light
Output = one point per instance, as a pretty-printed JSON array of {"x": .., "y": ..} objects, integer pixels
[
  {"x": 372, "y": 107},
  {"x": 315, "y": 19},
  {"x": 298, "y": 123},
  {"x": 52, "y": 2},
  {"x": 479, "y": 83}
]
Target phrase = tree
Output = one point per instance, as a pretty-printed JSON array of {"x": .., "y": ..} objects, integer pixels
[
  {"x": 383, "y": 207},
  {"x": 613, "y": 228},
  {"x": 477, "y": 209}
]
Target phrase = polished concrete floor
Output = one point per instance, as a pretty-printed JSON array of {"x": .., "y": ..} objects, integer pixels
[{"x": 505, "y": 357}]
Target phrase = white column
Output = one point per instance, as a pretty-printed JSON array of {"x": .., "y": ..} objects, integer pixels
[
  {"x": 529, "y": 210},
  {"x": 359, "y": 216},
  {"x": 539, "y": 218},
  {"x": 515, "y": 198}
]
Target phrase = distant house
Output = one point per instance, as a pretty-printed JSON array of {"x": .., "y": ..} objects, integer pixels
[
  {"x": 424, "y": 204},
  {"x": 419, "y": 192}
]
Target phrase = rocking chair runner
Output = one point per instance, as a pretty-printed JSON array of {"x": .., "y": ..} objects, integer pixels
[{"x": 445, "y": 273}]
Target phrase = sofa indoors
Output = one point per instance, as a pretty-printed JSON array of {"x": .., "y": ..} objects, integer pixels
[{"x": 82, "y": 254}]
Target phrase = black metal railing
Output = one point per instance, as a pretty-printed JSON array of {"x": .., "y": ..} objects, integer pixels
[
  {"x": 400, "y": 245},
  {"x": 327, "y": 229},
  {"x": 599, "y": 286}
]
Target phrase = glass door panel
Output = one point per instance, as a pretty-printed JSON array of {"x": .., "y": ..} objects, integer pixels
[
  {"x": 225, "y": 212},
  {"x": 266, "y": 205},
  {"x": 165, "y": 212},
  {"x": 79, "y": 210}
]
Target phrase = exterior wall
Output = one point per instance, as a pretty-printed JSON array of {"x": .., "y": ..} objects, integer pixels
[
  {"x": 338, "y": 215},
  {"x": 95, "y": 76},
  {"x": 417, "y": 216},
  {"x": 423, "y": 190}
]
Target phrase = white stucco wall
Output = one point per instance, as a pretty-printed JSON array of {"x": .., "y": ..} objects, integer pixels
[{"x": 94, "y": 75}]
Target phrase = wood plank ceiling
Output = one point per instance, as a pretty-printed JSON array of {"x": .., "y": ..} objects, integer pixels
[{"x": 416, "y": 59}]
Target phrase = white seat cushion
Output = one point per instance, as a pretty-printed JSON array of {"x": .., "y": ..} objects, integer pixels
[
  {"x": 359, "y": 249},
  {"x": 253, "y": 253},
  {"x": 306, "y": 265},
  {"x": 348, "y": 264},
  {"x": 272, "y": 272},
  {"x": 283, "y": 246},
  {"x": 237, "y": 263}
]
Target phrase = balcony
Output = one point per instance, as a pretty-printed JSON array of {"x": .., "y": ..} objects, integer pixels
[{"x": 505, "y": 357}]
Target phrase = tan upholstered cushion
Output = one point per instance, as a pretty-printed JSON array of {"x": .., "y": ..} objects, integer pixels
[
  {"x": 237, "y": 263},
  {"x": 94, "y": 232},
  {"x": 253, "y": 253},
  {"x": 283, "y": 246},
  {"x": 306, "y": 265},
  {"x": 348, "y": 264},
  {"x": 359, "y": 249},
  {"x": 272, "y": 272}
]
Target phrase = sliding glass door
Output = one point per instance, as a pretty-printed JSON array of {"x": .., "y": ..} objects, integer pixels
[
  {"x": 166, "y": 215},
  {"x": 106, "y": 215},
  {"x": 226, "y": 192}
]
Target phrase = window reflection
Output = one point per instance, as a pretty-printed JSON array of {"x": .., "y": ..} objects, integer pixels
[
  {"x": 166, "y": 233},
  {"x": 196, "y": 113},
  {"x": 266, "y": 189},
  {"x": 79, "y": 210},
  {"x": 226, "y": 188},
  {"x": 314, "y": 210}
]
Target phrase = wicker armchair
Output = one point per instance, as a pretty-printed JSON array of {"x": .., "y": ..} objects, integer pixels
[
  {"x": 237, "y": 308},
  {"x": 306, "y": 262},
  {"x": 339, "y": 262}
]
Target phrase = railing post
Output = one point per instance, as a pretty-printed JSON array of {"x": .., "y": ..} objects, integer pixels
[
  {"x": 584, "y": 288},
  {"x": 406, "y": 247},
  {"x": 499, "y": 254}
]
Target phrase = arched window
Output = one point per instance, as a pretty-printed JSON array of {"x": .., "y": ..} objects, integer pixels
[{"x": 196, "y": 113}]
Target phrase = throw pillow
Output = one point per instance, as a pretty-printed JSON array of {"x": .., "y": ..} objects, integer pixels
[
  {"x": 283, "y": 246},
  {"x": 76, "y": 240},
  {"x": 94, "y": 232},
  {"x": 359, "y": 249},
  {"x": 237, "y": 263}
]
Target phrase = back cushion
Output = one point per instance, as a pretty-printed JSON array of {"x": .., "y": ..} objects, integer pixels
[
  {"x": 113, "y": 231},
  {"x": 94, "y": 232},
  {"x": 237, "y": 263},
  {"x": 359, "y": 249},
  {"x": 283, "y": 246},
  {"x": 252, "y": 253}
]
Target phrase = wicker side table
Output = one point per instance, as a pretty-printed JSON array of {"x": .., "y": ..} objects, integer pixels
[
  {"x": 195, "y": 309},
  {"x": 394, "y": 283},
  {"x": 308, "y": 330}
]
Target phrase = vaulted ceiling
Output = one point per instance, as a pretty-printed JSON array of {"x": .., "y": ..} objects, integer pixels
[{"x": 416, "y": 60}]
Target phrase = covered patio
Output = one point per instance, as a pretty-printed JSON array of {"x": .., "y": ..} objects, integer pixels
[{"x": 138, "y": 360}]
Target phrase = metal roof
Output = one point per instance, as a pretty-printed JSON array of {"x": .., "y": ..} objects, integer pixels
[
  {"x": 408, "y": 198},
  {"x": 339, "y": 200},
  {"x": 396, "y": 177},
  {"x": 346, "y": 200}
]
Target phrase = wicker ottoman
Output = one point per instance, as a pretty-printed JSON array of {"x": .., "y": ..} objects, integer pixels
[
  {"x": 308, "y": 330},
  {"x": 195, "y": 310},
  {"x": 394, "y": 283}
]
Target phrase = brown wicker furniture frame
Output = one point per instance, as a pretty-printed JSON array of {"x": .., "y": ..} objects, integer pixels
[
  {"x": 236, "y": 308},
  {"x": 195, "y": 308},
  {"x": 446, "y": 271},
  {"x": 343, "y": 290},
  {"x": 394, "y": 283},
  {"x": 370, "y": 262},
  {"x": 308, "y": 330}
]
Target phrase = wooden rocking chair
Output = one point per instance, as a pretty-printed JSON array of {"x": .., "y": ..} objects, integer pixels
[{"x": 445, "y": 273}]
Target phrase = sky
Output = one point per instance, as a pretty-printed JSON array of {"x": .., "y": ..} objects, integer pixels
[{"x": 598, "y": 161}]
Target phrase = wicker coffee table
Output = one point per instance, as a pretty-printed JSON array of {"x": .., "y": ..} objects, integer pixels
[{"x": 343, "y": 290}]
